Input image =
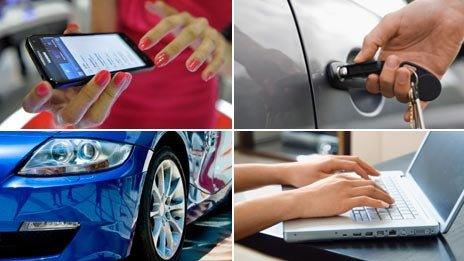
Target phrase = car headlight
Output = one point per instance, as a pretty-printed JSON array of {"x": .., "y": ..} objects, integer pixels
[{"x": 72, "y": 156}]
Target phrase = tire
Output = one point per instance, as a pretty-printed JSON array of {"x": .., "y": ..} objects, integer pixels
[{"x": 165, "y": 215}]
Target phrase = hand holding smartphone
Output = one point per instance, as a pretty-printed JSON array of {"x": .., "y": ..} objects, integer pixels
[
  {"x": 73, "y": 59},
  {"x": 72, "y": 62}
]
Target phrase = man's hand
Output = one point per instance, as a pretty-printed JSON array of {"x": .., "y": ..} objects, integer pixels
[{"x": 426, "y": 32}]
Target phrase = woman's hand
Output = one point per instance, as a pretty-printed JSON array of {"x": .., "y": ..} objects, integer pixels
[
  {"x": 300, "y": 174},
  {"x": 212, "y": 47},
  {"x": 336, "y": 195},
  {"x": 82, "y": 106},
  {"x": 330, "y": 196}
]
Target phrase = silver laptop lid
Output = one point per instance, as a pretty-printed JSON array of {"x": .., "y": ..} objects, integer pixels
[{"x": 438, "y": 169}]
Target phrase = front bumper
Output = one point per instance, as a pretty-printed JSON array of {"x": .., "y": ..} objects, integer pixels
[{"x": 105, "y": 204}]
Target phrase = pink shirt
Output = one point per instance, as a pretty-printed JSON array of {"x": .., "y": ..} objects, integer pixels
[{"x": 171, "y": 96}]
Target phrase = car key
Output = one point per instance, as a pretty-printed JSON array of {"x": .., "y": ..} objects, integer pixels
[
  {"x": 424, "y": 85},
  {"x": 337, "y": 72},
  {"x": 416, "y": 117}
]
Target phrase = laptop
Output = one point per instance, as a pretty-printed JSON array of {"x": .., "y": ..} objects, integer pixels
[{"x": 427, "y": 197}]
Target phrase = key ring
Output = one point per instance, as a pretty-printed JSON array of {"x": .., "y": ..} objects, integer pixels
[{"x": 416, "y": 81}]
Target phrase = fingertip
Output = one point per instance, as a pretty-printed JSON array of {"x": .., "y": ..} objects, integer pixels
[
  {"x": 122, "y": 79},
  {"x": 43, "y": 89},
  {"x": 193, "y": 65},
  {"x": 145, "y": 43},
  {"x": 359, "y": 58},
  {"x": 37, "y": 97},
  {"x": 207, "y": 76},
  {"x": 71, "y": 28},
  {"x": 161, "y": 59},
  {"x": 406, "y": 116},
  {"x": 102, "y": 78},
  {"x": 372, "y": 84}
]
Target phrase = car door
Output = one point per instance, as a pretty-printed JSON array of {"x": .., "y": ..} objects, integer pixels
[
  {"x": 211, "y": 159},
  {"x": 223, "y": 159},
  {"x": 329, "y": 30},
  {"x": 272, "y": 88}
]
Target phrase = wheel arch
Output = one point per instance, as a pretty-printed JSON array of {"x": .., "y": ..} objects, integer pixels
[{"x": 177, "y": 142}]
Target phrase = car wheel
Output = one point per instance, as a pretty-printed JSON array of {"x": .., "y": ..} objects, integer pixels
[{"x": 161, "y": 221}]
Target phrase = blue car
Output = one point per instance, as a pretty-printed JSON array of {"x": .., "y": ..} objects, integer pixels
[{"x": 107, "y": 195}]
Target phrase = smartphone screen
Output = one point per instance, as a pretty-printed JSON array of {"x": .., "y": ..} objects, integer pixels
[{"x": 67, "y": 59}]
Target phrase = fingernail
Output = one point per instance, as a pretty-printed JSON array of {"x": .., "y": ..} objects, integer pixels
[
  {"x": 102, "y": 78},
  {"x": 72, "y": 27},
  {"x": 402, "y": 78},
  {"x": 392, "y": 63},
  {"x": 144, "y": 43},
  {"x": 122, "y": 80},
  {"x": 385, "y": 205},
  {"x": 193, "y": 65},
  {"x": 209, "y": 76},
  {"x": 161, "y": 59},
  {"x": 42, "y": 90}
]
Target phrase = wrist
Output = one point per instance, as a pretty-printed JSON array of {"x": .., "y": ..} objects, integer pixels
[
  {"x": 289, "y": 210},
  {"x": 286, "y": 173}
]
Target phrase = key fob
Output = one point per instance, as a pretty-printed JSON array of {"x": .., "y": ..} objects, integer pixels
[{"x": 429, "y": 87}]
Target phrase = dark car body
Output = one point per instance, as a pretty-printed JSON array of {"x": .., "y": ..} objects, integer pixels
[{"x": 281, "y": 51}]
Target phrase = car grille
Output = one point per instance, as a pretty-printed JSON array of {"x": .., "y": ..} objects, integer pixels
[{"x": 40, "y": 243}]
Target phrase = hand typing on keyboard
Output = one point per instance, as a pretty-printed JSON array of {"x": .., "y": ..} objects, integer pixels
[
  {"x": 401, "y": 209},
  {"x": 338, "y": 194},
  {"x": 300, "y": 174},
  {"x": 322, "y": 191}
]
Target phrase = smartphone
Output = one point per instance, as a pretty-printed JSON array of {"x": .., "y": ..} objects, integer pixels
[{"x": 73, "y": 59}]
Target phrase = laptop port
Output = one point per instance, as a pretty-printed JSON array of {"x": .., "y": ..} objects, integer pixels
[
  {"x": 380, "y": 234},
  {"x": 392, "y": 233},
  {"x": 369, "y": 234},
  {"x": 345, "y": 235},
  {"x": 356, "y": 234}
]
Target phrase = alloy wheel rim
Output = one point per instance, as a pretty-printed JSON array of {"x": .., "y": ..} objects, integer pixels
[{"x": 168, "y": 209}]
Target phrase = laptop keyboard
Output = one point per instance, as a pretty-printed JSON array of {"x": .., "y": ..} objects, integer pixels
[{"x": 401, "y": 209}]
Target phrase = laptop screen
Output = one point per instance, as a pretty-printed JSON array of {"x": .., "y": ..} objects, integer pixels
[{"x": 439, "y": 169}]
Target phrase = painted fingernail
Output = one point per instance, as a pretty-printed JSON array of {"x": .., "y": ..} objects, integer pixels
[
  {"x": 193, "y": 65},
  {"x": 209, "y": 76},
  {"x": 102, "y": 78},
  {"x": 161, "y": 59},
  {"x": 122, "y": 80},
  {"x": 42, "y": 90},
  {"x": 72, "y": 27},
  {"x": 144, "y": 43}
]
